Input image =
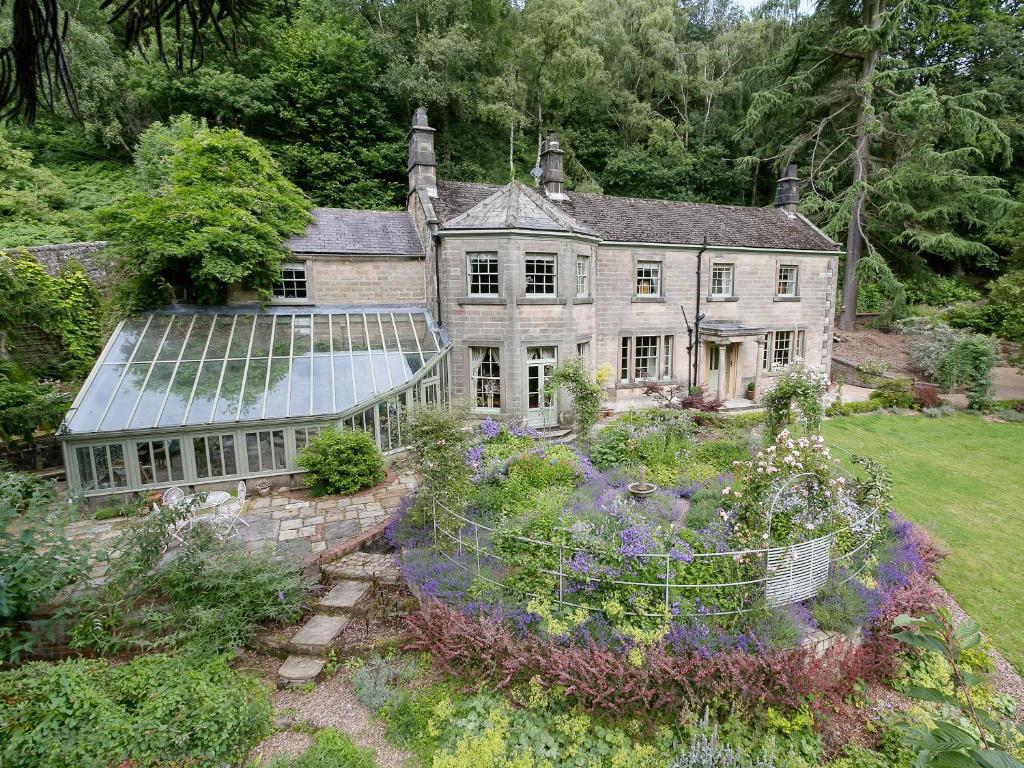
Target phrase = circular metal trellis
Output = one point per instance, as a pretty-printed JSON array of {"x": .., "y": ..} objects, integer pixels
[{"x": 792, "y": 573}]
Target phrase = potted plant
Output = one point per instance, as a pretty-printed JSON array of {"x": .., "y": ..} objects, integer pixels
[
  {"x": 750, "y": 390},
  {"x": 263, "y": 487}
]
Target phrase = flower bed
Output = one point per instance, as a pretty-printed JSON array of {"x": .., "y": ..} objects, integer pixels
[{"x": 553, "y": 550}]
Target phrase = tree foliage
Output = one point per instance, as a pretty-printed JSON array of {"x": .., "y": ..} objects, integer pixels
[
  {"x": 213, "y": 211},
  {"x": 685, "y": 100}
]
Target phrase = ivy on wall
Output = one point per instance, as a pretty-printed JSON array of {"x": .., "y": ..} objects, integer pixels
[{"x": 65, "y": 306}]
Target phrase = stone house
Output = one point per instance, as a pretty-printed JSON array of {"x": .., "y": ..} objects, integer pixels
[
  {"x": 521, "y": 278},
  {"x": 474, "y": 292}
]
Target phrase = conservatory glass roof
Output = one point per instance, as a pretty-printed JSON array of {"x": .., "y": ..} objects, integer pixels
[{"x": 182, "y": 368}]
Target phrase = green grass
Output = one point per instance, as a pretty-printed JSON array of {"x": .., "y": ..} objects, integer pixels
[{"x": 962, "y": 478}]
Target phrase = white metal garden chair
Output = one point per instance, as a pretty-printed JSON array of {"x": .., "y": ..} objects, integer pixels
[
  {"x": 172, "y": 496},
  {"x": 226, "y": 519},
  {"x": 241, "y": 491}
]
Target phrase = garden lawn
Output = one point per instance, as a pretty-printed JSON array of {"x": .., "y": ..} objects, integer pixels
[{"x": 963, "y": 479}]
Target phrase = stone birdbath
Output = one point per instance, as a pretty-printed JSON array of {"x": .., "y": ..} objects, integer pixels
[{"x": 641, "y": 489}]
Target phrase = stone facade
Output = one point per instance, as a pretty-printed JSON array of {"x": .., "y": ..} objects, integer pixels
[
  {"x": 513, "y": 322},
  {"x": 355, "y": 280}
]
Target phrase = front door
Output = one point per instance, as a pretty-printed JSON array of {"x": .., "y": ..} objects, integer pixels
[
  {"x": 540, "y": 410},
  {"x": 714, "y": 369}
]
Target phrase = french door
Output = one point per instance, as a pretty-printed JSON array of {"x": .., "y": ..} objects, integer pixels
[{"x": 541, "y": 411}]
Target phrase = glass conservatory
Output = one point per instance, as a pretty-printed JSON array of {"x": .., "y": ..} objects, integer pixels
[{"x": 204, "y": 396}]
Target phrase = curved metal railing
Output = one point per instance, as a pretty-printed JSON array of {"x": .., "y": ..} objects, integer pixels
[{"x": 791, "y": 573}]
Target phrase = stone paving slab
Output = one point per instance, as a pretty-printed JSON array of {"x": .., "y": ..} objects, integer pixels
[
  {"x": 343, "y": 596},
  {"x": 366, "y": 566},
  {"x": 298, "y": 670},
  {"x": 317, "y": 634}
]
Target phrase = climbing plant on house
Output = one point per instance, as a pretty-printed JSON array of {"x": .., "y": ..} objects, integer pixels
[
  {"x": 796, "y": 397},
  {"x": 582, "y": 386}
]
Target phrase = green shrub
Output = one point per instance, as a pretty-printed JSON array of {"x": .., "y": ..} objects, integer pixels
[
  {"x": 220, "y": 598},
  {"x": 330, "y": 749},
  {"x": 894, "y": 393},
  {"x": 953, "y": 359},
  {"x": 1006, "y": 301},
  {"x": 972, "y": 316},
  {"x": 438, "y": 444},
  {"x": 121, "y": 509},
  {"x": 29, "y": 406},
  {"x": 838, "y": 608},
  {"x": 158, "y": 710},
  {"x": 17, "y": 489},
  {"x": 938, "y": 290},
  {"x": 720, "y": 454},
  {"x": 851, "y": 408},
  {"x": 34, "y": 565},
  {"x": 376, "y": 682},
  {"x": 586, "y": 393},
  {"x": 341, "y": 462},
  {"x": 611, "y": 446},
  {"x": 208, "y": 599}
]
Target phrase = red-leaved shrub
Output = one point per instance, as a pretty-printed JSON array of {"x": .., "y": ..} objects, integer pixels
[
  {"x": 488, "y": 653},
  {"x": 926, "y": 395}
]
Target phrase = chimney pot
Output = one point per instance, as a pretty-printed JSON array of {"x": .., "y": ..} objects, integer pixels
[
  {"x": 552, "y": 178},
  {"x": 422, "y": 168},
  {"x": 787, "y": 193}
]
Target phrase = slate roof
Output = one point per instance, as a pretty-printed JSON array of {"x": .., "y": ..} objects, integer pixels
[
  {"x": 642, "y": 220},
  {"x": 371, "y": 233},
  {"x": 514, "y": 206}
]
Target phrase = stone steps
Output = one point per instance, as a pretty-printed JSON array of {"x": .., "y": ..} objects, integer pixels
[
  {"x": 365, "y": 566},
  {"x": 343, "y": 597},
  {"x": 316, "y": 636},
  {"x": 298, "y": 670},
  {"x": 352, "y": 577}
]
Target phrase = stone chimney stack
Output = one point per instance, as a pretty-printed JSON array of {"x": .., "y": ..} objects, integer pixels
[
  {"x": 552, "y": 178},
  {"x": 422, "y": 162},
  {"x": 787, "y": 194}
]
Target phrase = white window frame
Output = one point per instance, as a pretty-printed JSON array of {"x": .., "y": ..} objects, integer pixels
[
  {"x": 530, "y": 281},
  {"x": 280, "y": 288},
  {"x": 778, "y": 357},
  {"x": 793, "y": 281},
  {"x": 477, "y": 258},
  {"x": 653, "y": 273},
  {"x": 106, "y": 449},
  {"x": 479, "y": 376},
  {"x": 583, "y": 351},
  {"x": 582, "y": 277},
  {"x": 719, "y": 288},
  {"x": 661, "y": 364}
]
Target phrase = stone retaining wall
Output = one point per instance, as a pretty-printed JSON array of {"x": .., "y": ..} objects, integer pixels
[{"x": 55, "y": 256}]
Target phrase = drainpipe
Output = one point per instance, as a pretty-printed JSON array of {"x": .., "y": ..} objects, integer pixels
[
  {"x": 436, "y": 240},
  {"x": 695, "y": 343}
]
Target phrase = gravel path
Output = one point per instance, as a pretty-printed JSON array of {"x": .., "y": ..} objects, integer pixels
[
  {"x": 330, "y": 705},
  {"x": 1005, "y": 679}
]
